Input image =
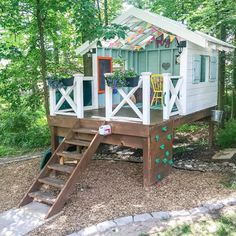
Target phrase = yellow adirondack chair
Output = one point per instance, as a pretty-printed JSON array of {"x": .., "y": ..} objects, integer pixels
[{"x": 157, "y": 85}]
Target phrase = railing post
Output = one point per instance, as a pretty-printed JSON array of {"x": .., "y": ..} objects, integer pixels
[
  {"x": 78, "y": 95},
  {"x": 52, "y": 101},
  {"x": 146, "y": 97},
  {"x": 108, "y": 101},
  {"x": 166, "y": 95}
]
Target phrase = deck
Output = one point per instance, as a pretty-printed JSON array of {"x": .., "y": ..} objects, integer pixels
[{"x": 156, "y": 115}]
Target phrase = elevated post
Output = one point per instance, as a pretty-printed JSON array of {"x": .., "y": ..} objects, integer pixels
[
  {"x": 146, "y": 97},
  {"x": 79, "y": 95},
  {"x": 108, "y": 101},
  {"x": 52, "y": 101},
  {"x": 166, "y": 96}
]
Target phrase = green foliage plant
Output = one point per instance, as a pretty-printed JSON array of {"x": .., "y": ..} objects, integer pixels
[
  {"x": 24, "y": 128},
  {"x": 130, "y": 74},
  {"x": 116, "y": 79},
  {"x": 227, "y": 136}
]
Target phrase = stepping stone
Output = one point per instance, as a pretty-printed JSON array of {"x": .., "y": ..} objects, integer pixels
[
  {"x": 225, "y": 154},
  {"x": 20, "y": 221}
]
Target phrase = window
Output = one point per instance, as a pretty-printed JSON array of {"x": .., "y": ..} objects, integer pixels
[
  {"x": 204, "y": 68},
  {"x": 201, "y": 64}
]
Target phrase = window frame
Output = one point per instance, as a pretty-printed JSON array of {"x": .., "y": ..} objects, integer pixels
[{"x": 207, "y": 69}]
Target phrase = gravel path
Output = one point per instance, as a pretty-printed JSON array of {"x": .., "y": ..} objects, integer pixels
[{"x": 108, "y": 190}]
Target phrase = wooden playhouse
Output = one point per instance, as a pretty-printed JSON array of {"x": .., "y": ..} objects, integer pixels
[{"x": 187, "y": 63}]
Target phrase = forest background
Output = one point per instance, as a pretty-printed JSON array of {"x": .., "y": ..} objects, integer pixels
[{"x": 40, "y": 36}]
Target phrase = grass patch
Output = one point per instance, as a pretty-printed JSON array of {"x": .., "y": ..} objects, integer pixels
[
  {"x": 223, "y": 226},
  {"x": 230, "y": 182},
  {"x": 6, "y": 151},
  {"x": 191, "y": 128},
  {"x": 226, "y": 226}
]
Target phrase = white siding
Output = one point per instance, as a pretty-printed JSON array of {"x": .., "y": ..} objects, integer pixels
[{"x": 200, "y": 95}]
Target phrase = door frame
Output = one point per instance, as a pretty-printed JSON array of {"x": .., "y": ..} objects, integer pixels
[{"x": 98, "y": 75}]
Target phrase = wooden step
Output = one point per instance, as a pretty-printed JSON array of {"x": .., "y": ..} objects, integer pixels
[
  {"x": 43, "y": 197},
  {"x": 61, "y": 168},
  {"x": 78, "y": 142},
  {"x": 85, "y": 130},
  {"x": 58, "y": 183},
  {"x": 72, "y": 155}
]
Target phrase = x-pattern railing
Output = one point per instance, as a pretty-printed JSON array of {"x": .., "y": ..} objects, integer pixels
[
  {"x": 172, "y": 96},
  {"x": 127, "y": 99}
]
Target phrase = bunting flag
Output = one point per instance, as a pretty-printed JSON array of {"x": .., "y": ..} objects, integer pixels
[
  {"x": 154, "y": 29},
  {"x": 111, "y": 45},
  {"x": 129, "y": 39},
  {"x": 158, "y": 33},
  {"x": 137, "y": 47},
  {"x": 140, "y": 30},
  {"x": 165, "y": 35},
  {"x": 172, "y": 38}
]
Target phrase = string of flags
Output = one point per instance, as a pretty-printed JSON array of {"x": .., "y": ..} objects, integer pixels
[{"x": 155, "y": 34}]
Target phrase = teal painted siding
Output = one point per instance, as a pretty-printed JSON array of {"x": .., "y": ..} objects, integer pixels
[{"x": 152, "y": 59}]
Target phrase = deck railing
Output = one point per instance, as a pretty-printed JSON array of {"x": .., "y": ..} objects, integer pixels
[
  {"x": 171, "y": 99},
  {"x": 172, "y": 93},
  {"x": 73, "y": 95},
  {"x": 142, "y": 116}
]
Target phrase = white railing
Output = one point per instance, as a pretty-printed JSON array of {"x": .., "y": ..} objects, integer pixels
[
  {"x": 143, "y": 116},
  {"x": 76, "y": 101},
  {"x": 171, "y": 95}
]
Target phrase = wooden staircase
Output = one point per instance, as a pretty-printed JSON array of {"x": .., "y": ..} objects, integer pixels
[{"x": 58, "y": 178}]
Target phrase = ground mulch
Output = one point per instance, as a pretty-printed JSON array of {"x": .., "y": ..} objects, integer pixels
[
  {"x": 15, "y": 179},
  {"x": 109, "y": 189}
]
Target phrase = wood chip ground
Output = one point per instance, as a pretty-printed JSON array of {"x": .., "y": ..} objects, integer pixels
[{"x": 111, "y": 189}]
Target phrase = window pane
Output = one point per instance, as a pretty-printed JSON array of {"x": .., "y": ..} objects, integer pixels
[{"x": 203, "y": 69}]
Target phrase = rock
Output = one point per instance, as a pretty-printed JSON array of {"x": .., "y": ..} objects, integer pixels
[
  {"x": 214, "y": 206},
  {"x": 226, "y": 154},
  {"x": 88, "y": 231},
  {"x": 143, "y": 217},
  {"x": 179, "y": 213},
  {"x": 199, "y": 210},
  {"x": 161, "y": 215},
  {"x": 124, "y": 220},
  {"x": 101, "y": 227}
]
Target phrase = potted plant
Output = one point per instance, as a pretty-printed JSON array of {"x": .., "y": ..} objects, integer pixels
[
  {"x": 61, "y": 76},
  {"x": 115, "y": 80},
  {"x": 132, "y": 78}
]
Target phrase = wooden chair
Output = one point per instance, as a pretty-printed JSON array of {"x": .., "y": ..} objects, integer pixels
[{"x": 157, "y": 85}]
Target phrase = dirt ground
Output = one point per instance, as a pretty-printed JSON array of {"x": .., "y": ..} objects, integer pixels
[{"x": 111, "y": 189}]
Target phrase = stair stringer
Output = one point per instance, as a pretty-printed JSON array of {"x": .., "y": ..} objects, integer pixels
[
  {"x": 70, "y": 184},
  {"x": 36, "y": 184}
]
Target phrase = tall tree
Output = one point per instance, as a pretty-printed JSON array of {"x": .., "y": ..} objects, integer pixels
[{"x": 40, "y": 16}]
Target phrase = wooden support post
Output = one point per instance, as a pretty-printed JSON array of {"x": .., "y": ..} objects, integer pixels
[
  {"x": 146, "y": 97},
  {"x": 79, "y": 95},
  {"x": 157, "y": 153},
  {"x": 108, "y": 98},
  {"x": 211, "y": 134},
  {"x": 54, "y": 139}
]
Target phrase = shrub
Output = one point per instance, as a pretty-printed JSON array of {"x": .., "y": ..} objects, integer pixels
[
  {"x": 24, "y": 128},
  {"x": 227, "y": 136}
]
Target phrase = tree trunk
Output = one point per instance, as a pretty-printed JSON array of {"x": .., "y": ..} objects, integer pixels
[
  {"x": 221, "y": 74},
  {"x": 43, "y": 64},
  {"x": 99, "y": 12},
  {"x": 233, "y": 109},
  {"x": 106, "y": 12}
]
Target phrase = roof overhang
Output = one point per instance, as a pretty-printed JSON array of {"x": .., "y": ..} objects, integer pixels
[{"x": 167, "y": 25}]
